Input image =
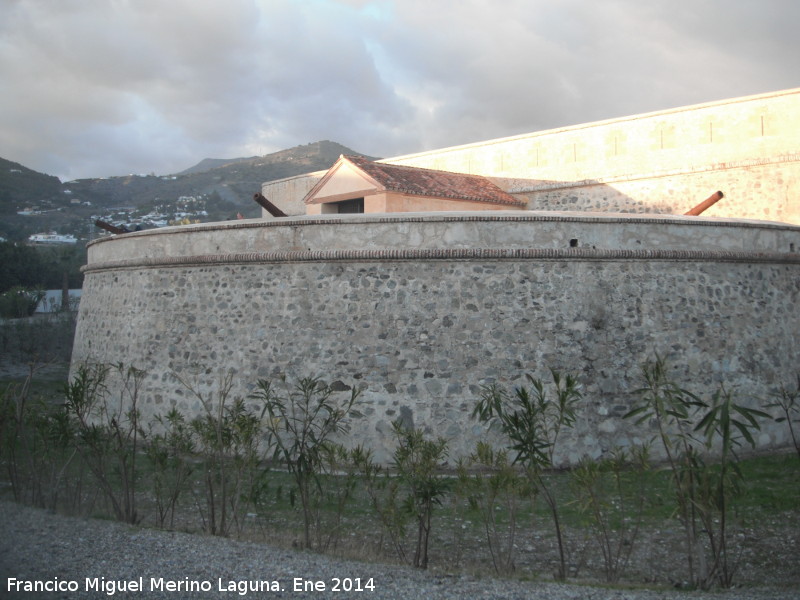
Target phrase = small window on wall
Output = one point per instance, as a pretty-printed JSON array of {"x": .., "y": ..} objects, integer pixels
[{"x": 356, "y": 205}]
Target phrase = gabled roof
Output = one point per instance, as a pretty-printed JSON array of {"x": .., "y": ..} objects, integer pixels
[{"x": 422, "y": 182}]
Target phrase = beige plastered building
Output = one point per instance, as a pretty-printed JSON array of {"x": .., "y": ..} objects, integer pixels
[{"x": 663, "y": 162}]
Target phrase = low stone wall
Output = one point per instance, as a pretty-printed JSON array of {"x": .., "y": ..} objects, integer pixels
[{"x": 422, "y": 310}]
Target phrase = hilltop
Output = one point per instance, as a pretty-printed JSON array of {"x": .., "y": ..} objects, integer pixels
[
  {"x": 235, "y": 180},
  {"x": 221, "y": 189},
  {"x": 20, "y": 185}
]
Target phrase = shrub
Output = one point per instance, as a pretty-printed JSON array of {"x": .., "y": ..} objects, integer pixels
[
  {"x": 494, "y": 489},
  {"x": 19, "y": 302},
  {"x": 301, "y": 424},
  {"x": 227, "y": 438},
  {"x": 725, "y": 425},
  {"x": 416, "y": 461},
  {"x": 109, "y": 432},
  {"x": 36, "y": 444},
  {"x": 532, "y": 422},
  {"x": 384, "y": 491},
  {"x": 410, "y": 492},
  {"x": 702, "y": 488},
  {"x": 169, "y": 452},
  {"x": 788, "y": 403},
  {"x": 612, "y": 493}
]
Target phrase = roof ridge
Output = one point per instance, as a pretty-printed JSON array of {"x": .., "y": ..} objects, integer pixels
[
  {"x": 411, "y": 167},
  {"x": 434, "y": 183}
]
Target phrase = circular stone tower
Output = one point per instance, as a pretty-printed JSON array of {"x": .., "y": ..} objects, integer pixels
[{"x": 421, "y": 310}]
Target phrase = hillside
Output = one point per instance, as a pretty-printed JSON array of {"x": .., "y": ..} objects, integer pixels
[
  {"x": 20, "y": 186},
  {"x": 233, "y": 180},
  {"x": 214, "y": 163},
  {"x": 223, "y": 188}
]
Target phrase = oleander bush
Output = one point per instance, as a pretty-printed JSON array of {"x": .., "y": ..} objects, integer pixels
[
  {"x": 495, "y": 491},
  {"x": 787, "y": 402},
  {"x": 269, "y": 466},
  {"x": 300, "y": 422},
  {"x": 533, "y": 418}
]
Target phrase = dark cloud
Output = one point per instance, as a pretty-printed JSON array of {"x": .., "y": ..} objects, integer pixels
[{"x": 99, "y": 87}]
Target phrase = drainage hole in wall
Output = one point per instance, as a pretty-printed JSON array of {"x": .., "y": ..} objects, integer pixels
[{"x": 573, "y": 243}]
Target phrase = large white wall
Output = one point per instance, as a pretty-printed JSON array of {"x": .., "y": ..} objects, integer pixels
[{"x": 662, "y": 162}]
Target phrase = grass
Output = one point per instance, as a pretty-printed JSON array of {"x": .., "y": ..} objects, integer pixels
[
  {"x": 771, "y": 484},
  {"x": 43, "y": 388}
]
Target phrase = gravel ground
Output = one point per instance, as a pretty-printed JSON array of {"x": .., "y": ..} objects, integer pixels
[{"x": 37, "y": 545}]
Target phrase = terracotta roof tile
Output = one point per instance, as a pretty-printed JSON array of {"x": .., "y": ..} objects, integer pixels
[{"x": 429, "y": 182}]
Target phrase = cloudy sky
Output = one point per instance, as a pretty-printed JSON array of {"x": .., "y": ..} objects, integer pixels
[{"x": 92, "y": 88}]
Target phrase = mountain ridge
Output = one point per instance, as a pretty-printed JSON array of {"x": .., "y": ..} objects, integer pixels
[
  {"x": 207, "y": 164},
  {"x": 226, "y": 186},
  {"x": 324, "y": 150}
]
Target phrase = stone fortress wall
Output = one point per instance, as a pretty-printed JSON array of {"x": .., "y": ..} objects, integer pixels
[
  {"x": 423, "y": 309},
  {"x": 661, "y": 162}
]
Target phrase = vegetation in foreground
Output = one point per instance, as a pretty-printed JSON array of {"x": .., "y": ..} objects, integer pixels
[{"x": 266, "y": 467}]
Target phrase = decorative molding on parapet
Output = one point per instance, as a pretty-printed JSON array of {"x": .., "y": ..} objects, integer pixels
[
  {"x": 435, "y": 254},
  {"x": 498, "y": 216}
]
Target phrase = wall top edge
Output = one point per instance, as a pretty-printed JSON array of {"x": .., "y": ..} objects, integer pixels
[
  {"x": 436, "y": 254},
  {"x": 455, "y": 216},
  {"x": 316, "y": 174}
]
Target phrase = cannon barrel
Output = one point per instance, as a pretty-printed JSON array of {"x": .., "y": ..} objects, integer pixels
[
  {"x": 708, "y": 202},
  {"x": 111, "y": 228},
  {"x": 269, "y": 206}
]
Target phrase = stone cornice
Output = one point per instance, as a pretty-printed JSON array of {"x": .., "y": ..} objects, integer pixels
[
  {"x": 436, "y": 254},
  {"x": 499, "y": 216}
]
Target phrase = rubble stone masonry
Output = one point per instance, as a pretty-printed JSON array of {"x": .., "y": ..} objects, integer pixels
[{"x": 422, "y": 310}]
